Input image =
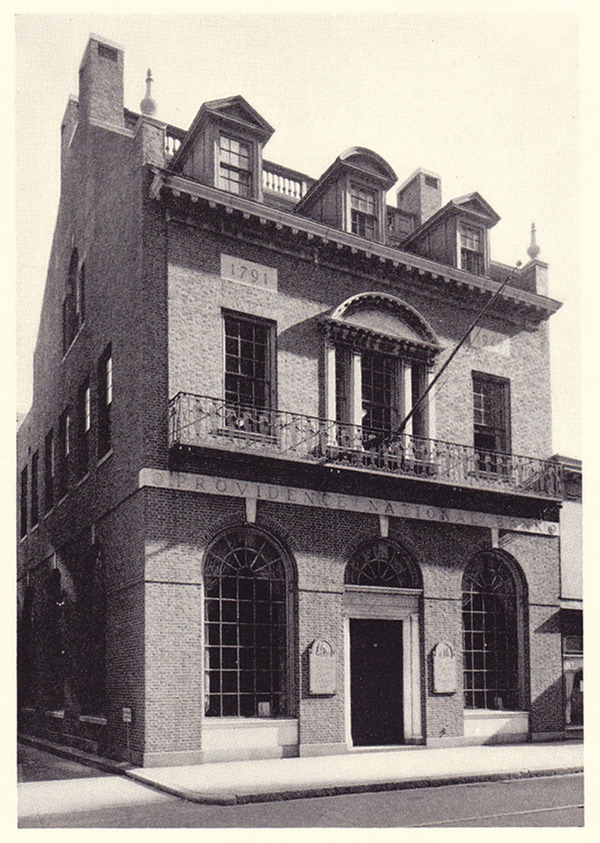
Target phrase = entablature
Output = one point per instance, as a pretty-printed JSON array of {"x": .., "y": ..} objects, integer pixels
[{"x": 166, "y": 185}]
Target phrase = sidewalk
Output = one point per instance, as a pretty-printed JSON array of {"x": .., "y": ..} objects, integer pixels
[
  {"x": 237, "y": 782},
  {"x": 358, "y": 771}
]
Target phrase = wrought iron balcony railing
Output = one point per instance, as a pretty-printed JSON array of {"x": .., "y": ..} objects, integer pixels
[{"x": 198, "y": 420}]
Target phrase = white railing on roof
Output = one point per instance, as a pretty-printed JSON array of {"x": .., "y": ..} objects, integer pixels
[
  {"x": 287, "y": 186},
  {"x": 172, "y": 144}
]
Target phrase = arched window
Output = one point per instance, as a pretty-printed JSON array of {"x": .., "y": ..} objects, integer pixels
[
  {"x": 246, "y": 626},
  {"x": 380, "y": 355},
  {"x": 381, "y": 563},
  {"x": 492, "y": 622}
]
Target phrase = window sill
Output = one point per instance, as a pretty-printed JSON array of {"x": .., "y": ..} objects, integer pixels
[
  {"x": 95, "y": 719},
  {"x": 492, "y": 713},
  {"x": 245, "y": 722},
  {"x": 104, "y": 457},
  {"x": 57, "y": 715}
]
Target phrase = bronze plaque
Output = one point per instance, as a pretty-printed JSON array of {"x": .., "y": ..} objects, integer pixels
[
  {"x": 321, "y": 668},
  {"x": 444, "y": 668}
]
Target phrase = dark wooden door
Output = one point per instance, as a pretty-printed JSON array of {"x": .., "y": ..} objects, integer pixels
[{"x": 376, "y": 682}]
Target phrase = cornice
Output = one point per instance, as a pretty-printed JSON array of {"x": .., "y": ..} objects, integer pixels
[{"x": 176, "y": 185}]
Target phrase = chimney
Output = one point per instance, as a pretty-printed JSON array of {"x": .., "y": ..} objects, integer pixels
[
  {"x": 420, "y": 194},
  {"x": 101, "y": 82}
]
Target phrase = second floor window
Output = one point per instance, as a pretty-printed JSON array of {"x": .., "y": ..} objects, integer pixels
[
  {"x": 363, "y": 212},
  {"x": 34, "y": 489},
  {"x": 105, "y": 388},
  {"x": 491, "y": 419},
  {"x": 64, "y": 450},
  {"x": 471, "y": 250},
  {"x": 23, "y": 519},
  {"x": 235, "y": 166},
  {"x": 49, "y": 471},
  {"x": 248, "y": 366},
  {"x": 84, "y": 422}
]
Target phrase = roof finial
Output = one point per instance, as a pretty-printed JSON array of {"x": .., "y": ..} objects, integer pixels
[
  {"x": 533, "y": 250},
  {"x": 148, "y": 104}
]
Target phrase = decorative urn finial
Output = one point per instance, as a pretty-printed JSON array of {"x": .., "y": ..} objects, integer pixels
[
  {"x": 533, "y": 250},
  {"x": 148, "y": 104}
]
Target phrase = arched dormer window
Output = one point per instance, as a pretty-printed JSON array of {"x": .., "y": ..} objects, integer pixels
[
  {"x": 350, "y": 195},
  {"x": 380, "y": 353},
  {"x": 74, "y": 300}
]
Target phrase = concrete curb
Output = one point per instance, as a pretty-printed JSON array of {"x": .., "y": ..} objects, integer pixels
[
  {"x": 73, "y": 754},
  {"x": 309, "y": 792},
  {"x": 123, "y": 768}
]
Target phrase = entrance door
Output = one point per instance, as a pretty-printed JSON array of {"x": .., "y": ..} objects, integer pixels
[{"x": 376, "y": 682}]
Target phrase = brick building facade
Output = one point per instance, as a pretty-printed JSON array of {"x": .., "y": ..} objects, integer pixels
[{"x": 248, "y": 526}]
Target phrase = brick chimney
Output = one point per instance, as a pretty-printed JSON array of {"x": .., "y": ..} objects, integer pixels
[
  {"x": 101, "y": 82},
  {"x": 420, "y": 194}
]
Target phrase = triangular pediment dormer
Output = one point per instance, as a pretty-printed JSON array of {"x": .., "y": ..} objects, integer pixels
[
  {"x": 223, "y": 147},
  {"x": 236, "y": 110},
  {"x": 476, "y": 204}
]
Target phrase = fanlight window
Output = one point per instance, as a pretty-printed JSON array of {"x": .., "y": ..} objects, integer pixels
[
  {"x": 491, "y": 634},
  {"x": 380, "y": 563},
  {"x": 246, "y": 597}
]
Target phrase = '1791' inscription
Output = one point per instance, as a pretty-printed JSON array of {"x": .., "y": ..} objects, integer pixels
[{"x": 247, "y": 272}]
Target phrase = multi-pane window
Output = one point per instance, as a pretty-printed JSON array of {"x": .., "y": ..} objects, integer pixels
[
  {"x": 64, "y": 450},
  {"x": 248, "y": 366},
  {"x": 34, "y": 489},
  {"x": 246, "y": 649},
  {"x": 49, "y": 470},
  {"x": 23, "y": 512},
  {"x": 471, "y": 250},
  {"x": 235, "y": 166},
  {"x": 491, "y": 421},
  {"x": 69, "y": 303},
  {"x": 490, "y": 608},
  {"x": 80, "y": 296},
  {"x": 363, "y": 212},
  {"x": 379, "y": 391},
  {"x": 83, "y": 427},
  {"x": 380, "y": 563},
  {"x": 105, "y": 387}
]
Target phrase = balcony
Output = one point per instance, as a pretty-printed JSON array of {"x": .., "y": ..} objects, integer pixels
[{"x": 204, "y": 422}]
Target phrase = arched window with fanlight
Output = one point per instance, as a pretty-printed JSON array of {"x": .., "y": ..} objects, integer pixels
[
  {"x": 380, "y": 356},
  {"x": 383, "y": 564},
  {"x": 493, "y": 633},
  {"x": 247, "y": 582}
]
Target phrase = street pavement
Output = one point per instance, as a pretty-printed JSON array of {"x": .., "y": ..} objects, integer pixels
[{"x": 58, "y": 793}]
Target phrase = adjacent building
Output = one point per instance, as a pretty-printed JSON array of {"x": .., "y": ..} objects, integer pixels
[{"x": 259, "y": 516}]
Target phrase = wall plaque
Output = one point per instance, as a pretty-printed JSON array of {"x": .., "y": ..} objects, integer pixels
[
  {"x": 321, "y": 668},
  {"x": 255, "y": 274},
  {"x": 444, "y": 668}
]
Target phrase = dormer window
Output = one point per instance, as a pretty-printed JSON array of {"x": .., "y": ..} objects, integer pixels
[
  {"x": 471, "y": 250},
  {"x": 235, "y": 168},
  {"x": 363, "y": 214}
]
